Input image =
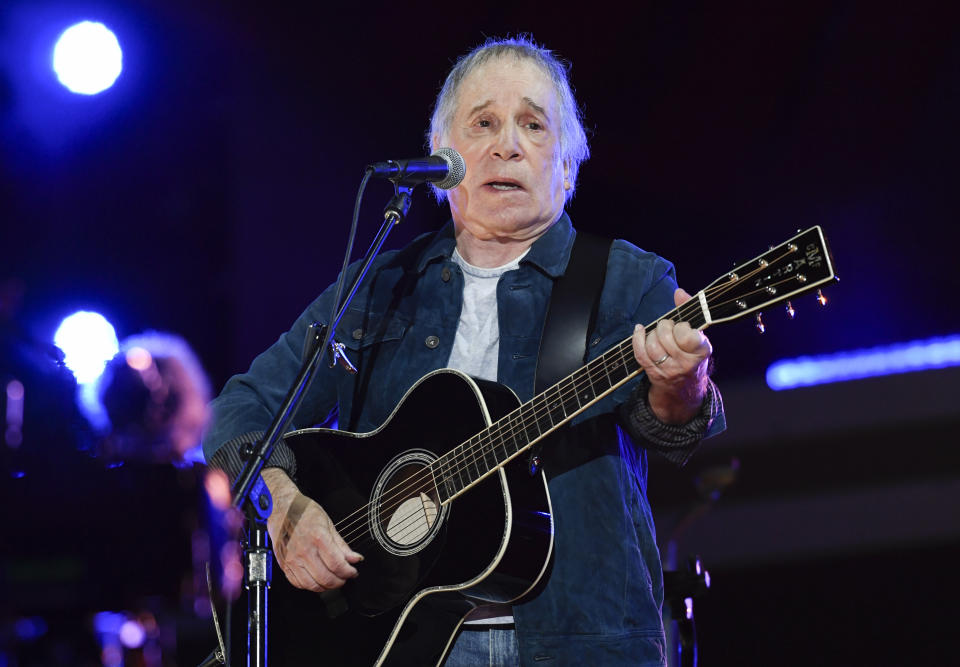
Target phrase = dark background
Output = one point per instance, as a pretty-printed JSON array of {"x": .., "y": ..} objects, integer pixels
[{"x": 209, "y": 193}]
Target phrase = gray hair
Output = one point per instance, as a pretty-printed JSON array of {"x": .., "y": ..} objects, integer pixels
[{"x": 573, "y": 138}]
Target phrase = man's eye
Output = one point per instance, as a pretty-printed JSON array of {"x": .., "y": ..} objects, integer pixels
[
  {"x": 533, "y": 125},
  {"x": 483, "y": 123}
]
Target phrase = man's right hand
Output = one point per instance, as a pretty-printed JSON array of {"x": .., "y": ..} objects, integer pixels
[{"x": 309, "y": 549}]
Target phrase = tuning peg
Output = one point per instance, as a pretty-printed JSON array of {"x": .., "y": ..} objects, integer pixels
[
  {"x": 821, "y": 299},
  {"x": 791, "y": 313},
  {"x": 760, "y": 326}
]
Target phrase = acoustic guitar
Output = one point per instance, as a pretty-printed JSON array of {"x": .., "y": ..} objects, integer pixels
[{"x": 447, "y": 511}]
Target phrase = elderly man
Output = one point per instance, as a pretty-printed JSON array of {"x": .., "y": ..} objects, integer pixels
[{"x": 475, "y": 298}]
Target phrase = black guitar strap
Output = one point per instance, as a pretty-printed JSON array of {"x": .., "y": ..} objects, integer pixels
[{"x": 571, "y": 314}]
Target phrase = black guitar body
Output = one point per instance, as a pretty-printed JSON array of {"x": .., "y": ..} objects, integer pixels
[{"x": 426, "y": 564}]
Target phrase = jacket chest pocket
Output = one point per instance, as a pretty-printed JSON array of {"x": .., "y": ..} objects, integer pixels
[
  {"x": 371, "y": 341},
  {"x": 359, "y": 330}
]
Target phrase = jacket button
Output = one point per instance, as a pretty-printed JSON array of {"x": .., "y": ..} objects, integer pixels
[
  {"x": 431, "y": 342},
  {"x": 445, "y": 274},
  {"x": 357, "y": 334}
]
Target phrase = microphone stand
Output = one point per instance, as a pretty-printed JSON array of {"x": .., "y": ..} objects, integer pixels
[
  {"x": 681, "y": 587},
  {"x": 250, "y": 493}
]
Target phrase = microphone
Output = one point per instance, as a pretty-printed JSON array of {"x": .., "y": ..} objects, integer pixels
[{"x": 445, "y": 168}]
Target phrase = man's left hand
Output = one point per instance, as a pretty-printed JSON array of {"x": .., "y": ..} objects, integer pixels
[{"x": 675, "y": 357}]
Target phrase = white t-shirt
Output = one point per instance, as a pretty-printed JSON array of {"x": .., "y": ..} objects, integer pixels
[{"x": 476, "y": 347}]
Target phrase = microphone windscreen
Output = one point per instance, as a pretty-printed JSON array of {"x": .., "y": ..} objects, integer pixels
[{"x": 457, "y": 168}]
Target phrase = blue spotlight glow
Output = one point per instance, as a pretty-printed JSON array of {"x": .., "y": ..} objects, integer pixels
[
  {"x": 87, "y": 58},
  {"x": 88, "y": 342},
  {"x": 108, "y": 622},
  {"x": 918, "y": 355}
]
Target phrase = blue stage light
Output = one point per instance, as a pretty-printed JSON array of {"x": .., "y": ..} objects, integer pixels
[
  {"x": 87, "y": 58},
  {"x": 108, "y": 622},
  {"x": 88, "y": 342},
  {"x": 916, "y": 355}
]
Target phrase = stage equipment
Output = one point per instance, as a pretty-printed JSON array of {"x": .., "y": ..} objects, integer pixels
[
  {"x": 87, "y": 58},
  {"x": 908, "y": 357},
  {"x": 679, "y": 590},
  {"x": 88, "y": 342},
  {"x": 445, "y": 168},
  {"x": 250, "y": 493}
]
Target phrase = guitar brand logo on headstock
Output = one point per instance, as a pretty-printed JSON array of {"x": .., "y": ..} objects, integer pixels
[{"x": 814, "y": 256}]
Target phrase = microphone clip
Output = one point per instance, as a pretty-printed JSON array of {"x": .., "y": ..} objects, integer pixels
[{"x": 399, "y": 205}]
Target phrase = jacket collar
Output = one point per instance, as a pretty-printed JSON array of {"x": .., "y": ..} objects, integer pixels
[{"x": 550, "y": 253}]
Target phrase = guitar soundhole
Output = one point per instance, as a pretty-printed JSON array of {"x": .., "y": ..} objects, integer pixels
[{"x": 405, "y": 511}]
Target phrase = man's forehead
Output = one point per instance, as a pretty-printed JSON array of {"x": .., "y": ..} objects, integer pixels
[
  {"x": 525, "y": 99},
  {"x": 484, "y": 86}
]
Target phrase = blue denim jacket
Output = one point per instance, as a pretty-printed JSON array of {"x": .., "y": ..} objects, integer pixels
[{"x": 602, "y": 602}]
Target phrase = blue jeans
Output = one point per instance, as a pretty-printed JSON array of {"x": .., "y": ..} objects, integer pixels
[{"x": 476, "y": 646}]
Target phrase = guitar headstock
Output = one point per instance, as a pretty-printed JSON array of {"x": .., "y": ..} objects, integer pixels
[{"x": 796, "y": 266}]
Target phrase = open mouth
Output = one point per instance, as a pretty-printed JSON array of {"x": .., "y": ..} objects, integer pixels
[{"x": 504, "y": 186}]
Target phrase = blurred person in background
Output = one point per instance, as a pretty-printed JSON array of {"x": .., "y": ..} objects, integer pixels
[{"x": 155, "y": 393}]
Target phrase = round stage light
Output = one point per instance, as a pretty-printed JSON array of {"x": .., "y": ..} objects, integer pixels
[
  {"x": 132, "y": 633},
  {"x": 87, "y": 58},
  {"x": 88, "y": 342}
]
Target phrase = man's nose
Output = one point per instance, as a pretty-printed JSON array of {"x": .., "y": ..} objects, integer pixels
[{"x": 507, "y": 144}]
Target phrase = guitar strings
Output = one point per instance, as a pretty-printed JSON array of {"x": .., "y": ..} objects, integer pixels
[
  {"x": 563, "y": 392},
  {"x": 458, "y": 463},
  {"x": 480, "y": 449},
  {"x": 485, "y": 441}
]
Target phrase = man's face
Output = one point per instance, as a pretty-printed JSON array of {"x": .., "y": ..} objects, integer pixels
[{"x": 506, "y": 126}]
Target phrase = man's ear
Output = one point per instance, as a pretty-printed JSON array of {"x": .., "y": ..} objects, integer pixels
[
  {"x": 434, "y": 143},
  {"x": 566, "y": 175}
]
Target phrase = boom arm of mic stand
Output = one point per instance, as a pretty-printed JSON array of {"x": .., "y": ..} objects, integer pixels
[{"x": 394, "y": 213}]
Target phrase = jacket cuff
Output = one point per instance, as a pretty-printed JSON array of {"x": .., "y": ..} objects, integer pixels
[
  {"x": 227, "y": 457},
  {"x": 676, "y": 442}
]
